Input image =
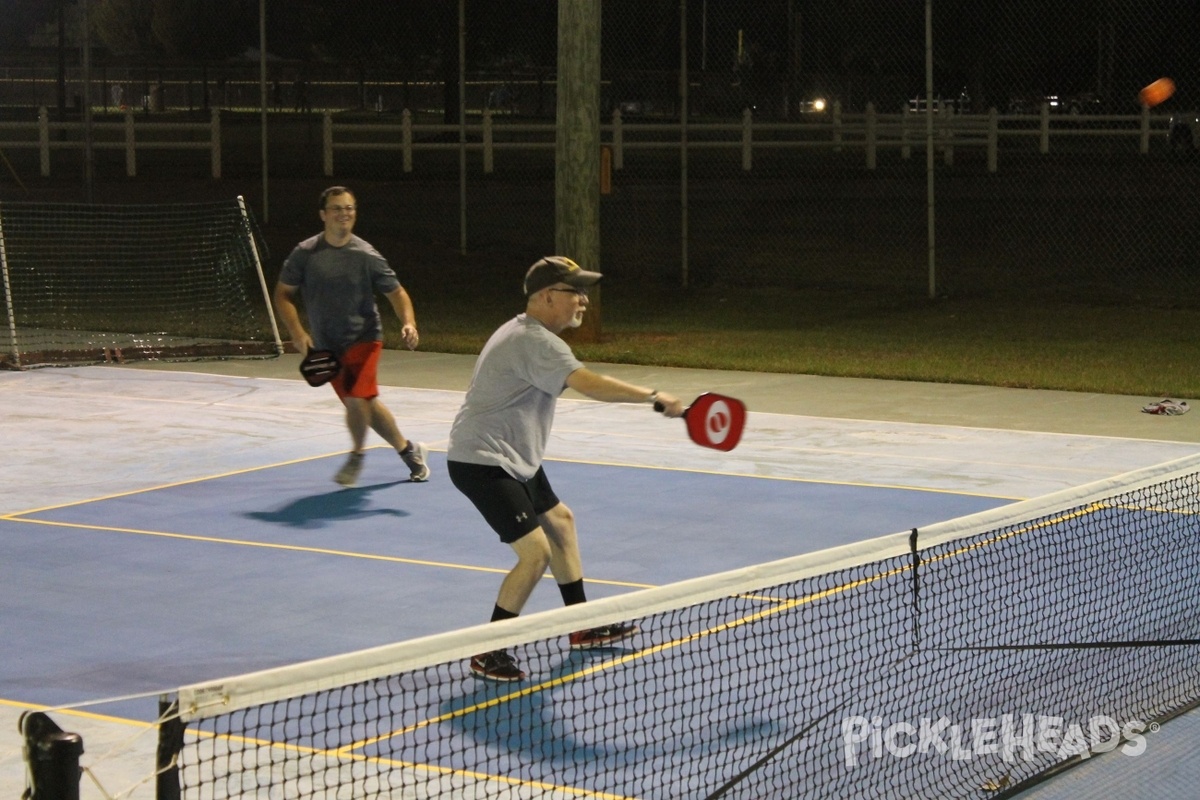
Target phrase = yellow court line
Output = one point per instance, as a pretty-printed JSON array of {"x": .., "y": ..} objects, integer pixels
[
  {"x": 347, "y": 751},
  {"x": 788, "y": 479},
  {"x": 19, "y": 516},
  {"x": 1087, "y": 510},
  {"x": 303, "y": 549},
  {"x": 71, "y": 712},
  {"x": 339, "y": 755},
  {"x": 780, "y": 607}
]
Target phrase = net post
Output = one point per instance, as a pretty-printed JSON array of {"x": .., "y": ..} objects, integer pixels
[
  {"x": 52, "y": 756},
  {"x": 170, "y": 744},
  {"x": 10, "y": 312},
  {"x": 262, "y": 280},
  {"x": 916, "y": 590}
]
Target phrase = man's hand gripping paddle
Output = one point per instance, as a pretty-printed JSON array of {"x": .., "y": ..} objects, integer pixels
[
  {"x": 714, "y": 420},
  {"x": 319, "y": 367}
]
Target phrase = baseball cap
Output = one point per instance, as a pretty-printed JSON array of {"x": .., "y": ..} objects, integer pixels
[{"x": 557, "y": 269}]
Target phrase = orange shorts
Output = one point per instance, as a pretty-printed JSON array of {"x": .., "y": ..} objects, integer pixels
[{"x": 359, "y": 374}]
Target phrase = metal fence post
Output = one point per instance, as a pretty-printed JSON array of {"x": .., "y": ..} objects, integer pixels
[
  {"x": 1144, "y": 139},
  {"x": 130, "y": 148},
  {"x": 618, "y": 140},
  {"x": 215, "y": 126},
  {"x": 488, "y": 159},
  {"x": 837, "y": 126},
  {"x": 747, "y": 137},
  {"x": 871, "y": 135},
  {"x": 44, "y": 140},
  {"x": 1044, "y": 142},
  {"x": 407, "y": 139},
  {"x": 993, "y": 139},
  {"x": 327, "y": 143},
  {"x": 948, "y": 134}
]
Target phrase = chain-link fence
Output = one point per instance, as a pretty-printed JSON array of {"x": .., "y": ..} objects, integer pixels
[
  {"x": 967, "y": 148},
  {"x": 1046, "y": 177}
]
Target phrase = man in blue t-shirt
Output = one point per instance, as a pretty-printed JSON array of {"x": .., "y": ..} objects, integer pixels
[
  {"x": 337, "y": 274},
  {"x": 498, "y": 440}
]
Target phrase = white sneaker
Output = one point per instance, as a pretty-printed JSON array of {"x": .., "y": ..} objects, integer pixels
[{"x": 415, "y": 459}]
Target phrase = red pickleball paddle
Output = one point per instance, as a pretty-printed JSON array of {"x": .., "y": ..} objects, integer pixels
[{"x": 714, "y": 420}]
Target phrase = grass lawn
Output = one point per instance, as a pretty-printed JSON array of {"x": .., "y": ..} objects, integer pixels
[{"x": 1114, "y": 350}]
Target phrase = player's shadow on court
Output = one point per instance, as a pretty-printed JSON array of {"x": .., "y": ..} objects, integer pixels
[
  {"x": 533, "y": 717},
  {"x": 512, "y": 718},
  {"x": 319, "y": 510}
]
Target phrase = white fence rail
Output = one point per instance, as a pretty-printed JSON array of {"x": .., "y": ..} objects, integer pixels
[
  {"x": 836, "y": 131},
  {"x": 129, "y": 135},
  {"x": 869, "y": 131}
]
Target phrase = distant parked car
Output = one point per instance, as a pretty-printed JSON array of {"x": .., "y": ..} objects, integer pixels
[
  {"x": 1183, "y": 132},
  {"x": 636, "y": 107},
  {"x": 633, "y": 98},
  {"x": 503, "y": 98},
  {"x": 814, "y": 105},
  {"x": 959, "y": 104},
  {"x": 1081, "y": 103}
]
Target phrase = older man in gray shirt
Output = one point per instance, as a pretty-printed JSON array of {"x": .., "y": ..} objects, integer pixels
[{"x": 498, "y": 441}]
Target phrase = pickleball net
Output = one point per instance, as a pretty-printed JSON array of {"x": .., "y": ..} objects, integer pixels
[{"x": 967, "y": 659}]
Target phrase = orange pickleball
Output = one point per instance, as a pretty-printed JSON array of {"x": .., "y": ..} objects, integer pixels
[{"x": 1156, "y": 92}]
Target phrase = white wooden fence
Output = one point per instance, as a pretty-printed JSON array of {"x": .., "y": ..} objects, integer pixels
[
  {"x": 869, "y": 131},
  {"x": 130, "y": 135}
]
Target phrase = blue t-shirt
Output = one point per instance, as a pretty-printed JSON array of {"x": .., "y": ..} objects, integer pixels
[
  {"x": 338, "y": 285},
  {"x": 508, "y": 411}
]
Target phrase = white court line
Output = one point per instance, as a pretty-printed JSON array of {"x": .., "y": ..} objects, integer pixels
[{"x": 83, "y": 432}]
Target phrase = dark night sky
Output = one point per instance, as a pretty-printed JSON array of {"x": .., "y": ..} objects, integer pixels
[{"x": 998, "y": 46}]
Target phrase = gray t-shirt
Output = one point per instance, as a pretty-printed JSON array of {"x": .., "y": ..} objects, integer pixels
[
  {"x": 338, "y": 285},
  {"x": 506, "y": 416}
]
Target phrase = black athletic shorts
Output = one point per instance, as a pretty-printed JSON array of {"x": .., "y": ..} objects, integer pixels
[{"x": 510, "y": 506}]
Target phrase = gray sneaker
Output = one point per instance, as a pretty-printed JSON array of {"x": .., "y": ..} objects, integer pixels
[
  {"x": 348, "y": 475},
  {"x": 415, "y": 459}
]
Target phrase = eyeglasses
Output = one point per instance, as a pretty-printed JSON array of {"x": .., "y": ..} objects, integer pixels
[
  {"x": 340, "y": 209},
  {"x": 580, "y": 292}
]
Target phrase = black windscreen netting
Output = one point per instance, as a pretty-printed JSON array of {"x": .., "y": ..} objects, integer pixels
[{"x": 87, "y": 283}]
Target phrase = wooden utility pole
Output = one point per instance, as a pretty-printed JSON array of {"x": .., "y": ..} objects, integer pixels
[{"x": 577, "y": 148}]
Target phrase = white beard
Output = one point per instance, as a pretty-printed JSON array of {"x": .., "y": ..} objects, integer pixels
[{"x": 576, "y": 320}]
